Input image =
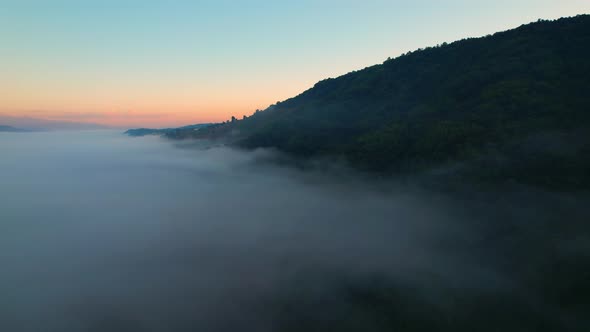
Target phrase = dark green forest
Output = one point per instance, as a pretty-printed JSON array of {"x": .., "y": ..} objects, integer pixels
[{"x": 513, "y": 106}]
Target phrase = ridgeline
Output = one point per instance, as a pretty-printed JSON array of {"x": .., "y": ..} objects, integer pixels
[{"x": 513, "y": 106}]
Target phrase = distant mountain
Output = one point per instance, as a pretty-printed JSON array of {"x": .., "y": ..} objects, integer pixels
[
  {"x": 43, "y": 124},
  {"x": 12, "y": 129},
  {"x": 510, "y": 106},
  {"x": 169, "y": 132}
]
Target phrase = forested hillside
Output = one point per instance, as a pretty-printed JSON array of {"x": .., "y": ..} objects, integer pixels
[{"x": 515, "y": 104}]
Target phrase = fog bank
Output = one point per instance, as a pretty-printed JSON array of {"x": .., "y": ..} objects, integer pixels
[{"x": 102, "y": 232}]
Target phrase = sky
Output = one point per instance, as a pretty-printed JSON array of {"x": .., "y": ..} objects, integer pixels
[{"x": 169, "y": 63}]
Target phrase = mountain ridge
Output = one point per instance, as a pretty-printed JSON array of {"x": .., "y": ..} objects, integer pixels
[{"x": 456, "y": 102}]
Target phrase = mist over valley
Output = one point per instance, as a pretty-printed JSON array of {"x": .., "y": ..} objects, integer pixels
[{"x": 105, "y": 232}]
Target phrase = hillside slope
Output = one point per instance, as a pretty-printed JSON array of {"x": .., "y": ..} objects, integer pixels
[{"x": 516, "y": 101}]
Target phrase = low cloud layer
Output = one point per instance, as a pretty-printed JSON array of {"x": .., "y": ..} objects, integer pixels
[{"x": 101, "y": 232}]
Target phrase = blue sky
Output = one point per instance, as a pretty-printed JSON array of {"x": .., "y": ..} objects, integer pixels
[{"x": 187, "y": 61}]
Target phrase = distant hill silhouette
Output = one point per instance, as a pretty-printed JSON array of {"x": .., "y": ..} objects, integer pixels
[
  {"x": 12, "y": 129},
  {"x": 170, "y": 132},
  {"x": 514, "y": 105},
  {"x": 36, "y": 124}
]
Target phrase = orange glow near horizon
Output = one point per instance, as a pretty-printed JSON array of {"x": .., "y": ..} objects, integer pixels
[
  {"x": 166, "y": 117},
  {"x": 121, "y": 119},
  {"x": 131, "y": 118},
  {"x": 155, "y": 107}
]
